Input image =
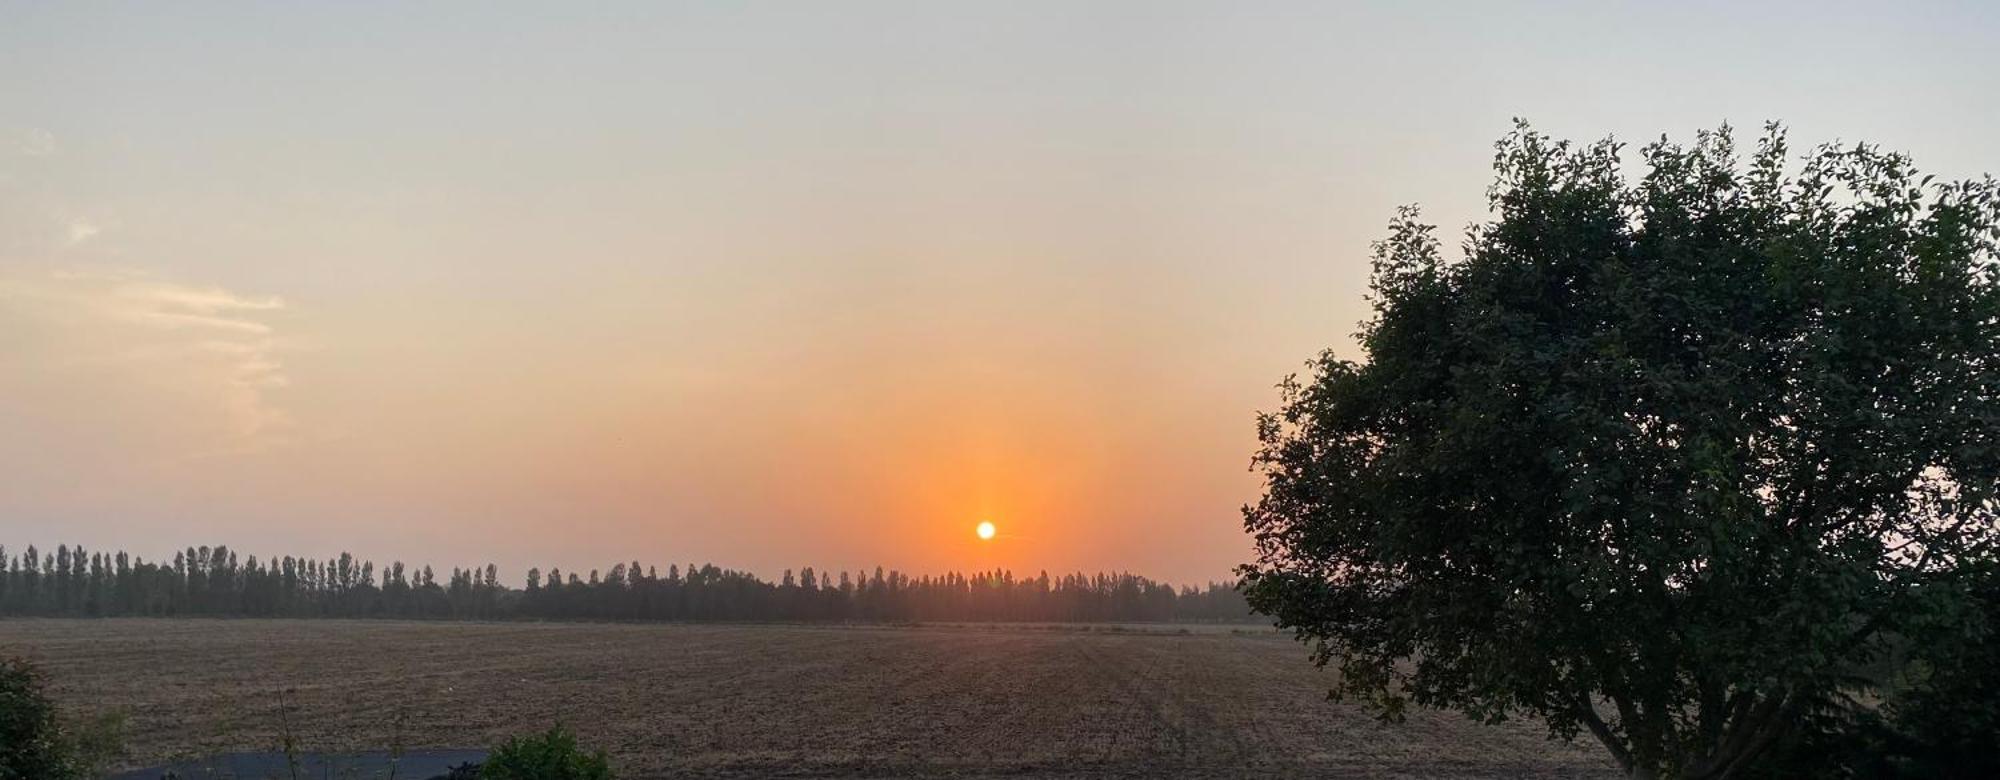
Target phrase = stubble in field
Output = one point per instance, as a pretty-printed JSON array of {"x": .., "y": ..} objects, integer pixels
[{"x": 768, "y": 701}]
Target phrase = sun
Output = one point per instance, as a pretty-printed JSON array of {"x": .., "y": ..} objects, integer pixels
[{"x": 985, "y": 529}]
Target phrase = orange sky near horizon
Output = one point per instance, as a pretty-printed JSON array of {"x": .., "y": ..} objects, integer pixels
[{"x": 776, "y": 285}]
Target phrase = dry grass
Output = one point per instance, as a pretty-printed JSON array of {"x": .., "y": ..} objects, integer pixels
[{"x": 769, "y": 701}]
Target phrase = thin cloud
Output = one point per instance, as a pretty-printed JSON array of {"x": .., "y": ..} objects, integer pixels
[
  {"x": 80, "y": 230},
  {"x": 137, "y": 298},
  {"x": 35, "y": 142},
  {"x": 208, "y": 339}
]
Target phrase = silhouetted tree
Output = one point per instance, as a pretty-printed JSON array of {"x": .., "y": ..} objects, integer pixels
[{"x": 1665, "y": 460}]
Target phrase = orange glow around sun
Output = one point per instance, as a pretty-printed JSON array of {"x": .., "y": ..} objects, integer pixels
[{"x": 985, "y": 529}]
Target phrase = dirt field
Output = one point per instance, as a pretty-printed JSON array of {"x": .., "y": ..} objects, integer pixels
[{"x": 769, "y": 701}]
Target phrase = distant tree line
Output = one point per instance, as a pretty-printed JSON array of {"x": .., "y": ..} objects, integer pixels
[{"x": 214, "y": 581}]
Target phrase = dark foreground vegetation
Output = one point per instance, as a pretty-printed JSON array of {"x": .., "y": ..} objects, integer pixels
[
  {"x": 551, "y": 755},
  {"x": 1704, "y": 464},
  {"x": 37, "y": 743},
  {"x": 214, "y": 582}
]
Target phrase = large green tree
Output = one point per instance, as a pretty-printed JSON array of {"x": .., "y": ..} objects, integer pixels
[{"x": 1668, "y": 459}]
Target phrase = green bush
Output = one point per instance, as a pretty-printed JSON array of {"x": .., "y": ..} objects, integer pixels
[
  {"x": 32, "y": 746},
  {"x": 553, "y": 755}
]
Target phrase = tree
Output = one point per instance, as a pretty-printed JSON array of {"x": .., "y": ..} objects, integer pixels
[
  {"x": 1947, "y": 723},
  {"x": 1665, "y": 460},
  {"x": 32, "y": 743}
]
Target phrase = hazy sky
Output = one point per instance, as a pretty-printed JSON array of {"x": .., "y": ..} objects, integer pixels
[{"x": 787, "y": 284}]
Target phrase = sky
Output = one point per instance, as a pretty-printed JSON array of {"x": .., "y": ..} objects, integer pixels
[{"x": 777, "y": 285}]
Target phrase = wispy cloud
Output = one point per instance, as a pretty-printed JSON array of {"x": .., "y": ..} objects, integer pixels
[
  {"x": 207, "y": 343},
  {"x": 80, "y": 230},
  {"x": 173, "y": 306},
  {"x": 34, "y": 142}
]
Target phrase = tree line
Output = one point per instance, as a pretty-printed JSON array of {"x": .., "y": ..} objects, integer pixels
[{"x": 214, "y": 581}]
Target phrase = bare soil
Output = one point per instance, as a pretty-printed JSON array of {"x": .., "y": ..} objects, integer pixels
[{"x": 769, "y": 701}]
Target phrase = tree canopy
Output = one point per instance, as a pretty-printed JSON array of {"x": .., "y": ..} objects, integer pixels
[{"x": 1667, "y": 458}]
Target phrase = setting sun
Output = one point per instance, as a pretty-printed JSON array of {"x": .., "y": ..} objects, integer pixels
[{"x": 985, "y": 529}]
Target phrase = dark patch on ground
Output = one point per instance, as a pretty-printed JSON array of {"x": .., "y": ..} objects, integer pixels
[{"x": 376, "y": 765}]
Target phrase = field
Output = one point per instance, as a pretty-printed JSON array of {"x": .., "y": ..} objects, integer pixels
[{"x": 769, "y": 701}]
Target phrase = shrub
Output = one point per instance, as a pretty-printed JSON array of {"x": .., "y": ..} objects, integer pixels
[
  {"x": 31, "y": 740},
  {"x": 552, "y": 755},
  {"x": 94, "y": 744},
  {"x": 465, "y": 771}
]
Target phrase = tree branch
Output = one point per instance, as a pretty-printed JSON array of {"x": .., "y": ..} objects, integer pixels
[
  {"x": 1587, "y": 712},
  {"x": 1752, "y": 727}
]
